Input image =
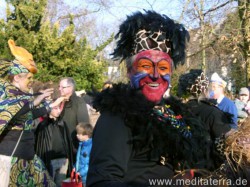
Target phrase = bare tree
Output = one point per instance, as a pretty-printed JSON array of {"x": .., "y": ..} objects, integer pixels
[
  {"x": 204, "y": 17},
  {"x": 244, "y": 14}
]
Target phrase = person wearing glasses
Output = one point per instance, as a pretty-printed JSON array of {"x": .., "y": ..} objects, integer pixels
[{"x": 74, "y": 110}]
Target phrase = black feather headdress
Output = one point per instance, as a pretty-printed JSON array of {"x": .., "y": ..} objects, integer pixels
[{"x": 156, "y": 29}]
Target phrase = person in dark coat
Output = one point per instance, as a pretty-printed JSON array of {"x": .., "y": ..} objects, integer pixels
[
  {"x": 194, "y": 86},
  {"x": 53, "y": 145},
  {"x": 74, "y": 110},
  {"x": 139, "y": 138}
]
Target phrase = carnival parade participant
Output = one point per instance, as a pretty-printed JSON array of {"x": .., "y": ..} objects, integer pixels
[
  {"x": 19, "y": 164},
  {"x": 194, "y": 86},
  {"x": 218, "y": 86},
  {"x": 138, "y": 137}
]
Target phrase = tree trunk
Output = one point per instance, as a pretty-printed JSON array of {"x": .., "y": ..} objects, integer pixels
[{"x": 244, "y": 13}]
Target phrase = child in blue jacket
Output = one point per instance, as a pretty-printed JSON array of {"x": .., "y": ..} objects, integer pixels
[{"x": 84, "y": 135}]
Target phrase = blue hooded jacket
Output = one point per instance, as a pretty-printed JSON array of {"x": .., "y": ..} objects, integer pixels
[{"x": 82, "y": 158}]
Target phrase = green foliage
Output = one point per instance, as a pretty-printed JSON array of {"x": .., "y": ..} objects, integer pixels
[{"x": 57, "y": 53}]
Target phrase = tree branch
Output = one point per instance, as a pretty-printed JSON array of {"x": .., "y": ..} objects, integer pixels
[
  {"x": 216, "y": 8},
  {"x": 151, "y": 5},
  {"x": 204, "y": 47},
  {"x": 78, "y": 15},
  {"x": 183, "y": 10}
]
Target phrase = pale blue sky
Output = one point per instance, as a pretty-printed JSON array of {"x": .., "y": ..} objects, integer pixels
[
  {"x": 2, "y": 8},
  {"x": 109, "y": 19},
  {"x": 119, "y": 9},
  {"x": 122, "y": 7}
]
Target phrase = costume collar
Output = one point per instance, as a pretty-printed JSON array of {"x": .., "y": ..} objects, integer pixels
[{"x": 161, "y": 133}]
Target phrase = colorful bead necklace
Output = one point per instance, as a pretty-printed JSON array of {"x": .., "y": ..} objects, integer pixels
[{"x": 167, "y": 117}]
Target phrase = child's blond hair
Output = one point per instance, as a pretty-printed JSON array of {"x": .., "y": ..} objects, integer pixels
[{"x": 84, "y": 129}]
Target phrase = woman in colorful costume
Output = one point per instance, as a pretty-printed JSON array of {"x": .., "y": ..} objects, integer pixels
[
  {"x": 18, "y": 109},
  {"x": 139, "y": 138}
]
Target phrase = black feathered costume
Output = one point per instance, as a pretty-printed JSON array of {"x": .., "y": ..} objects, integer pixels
[
  {"x": 194, "y": 85},
  {"x": 135, "y": 140},
  {"x": 150, "y": 145}
]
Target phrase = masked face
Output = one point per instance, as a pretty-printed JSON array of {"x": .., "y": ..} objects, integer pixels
[{"x": 151, "y": 73}]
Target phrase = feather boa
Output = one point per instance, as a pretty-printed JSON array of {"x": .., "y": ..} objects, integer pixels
[{"x": 187, "y": 146}]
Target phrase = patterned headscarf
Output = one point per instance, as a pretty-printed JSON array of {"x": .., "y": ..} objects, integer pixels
[
  {"x": 11, "y": 68},
  {"x": 17, "y": 68}
]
